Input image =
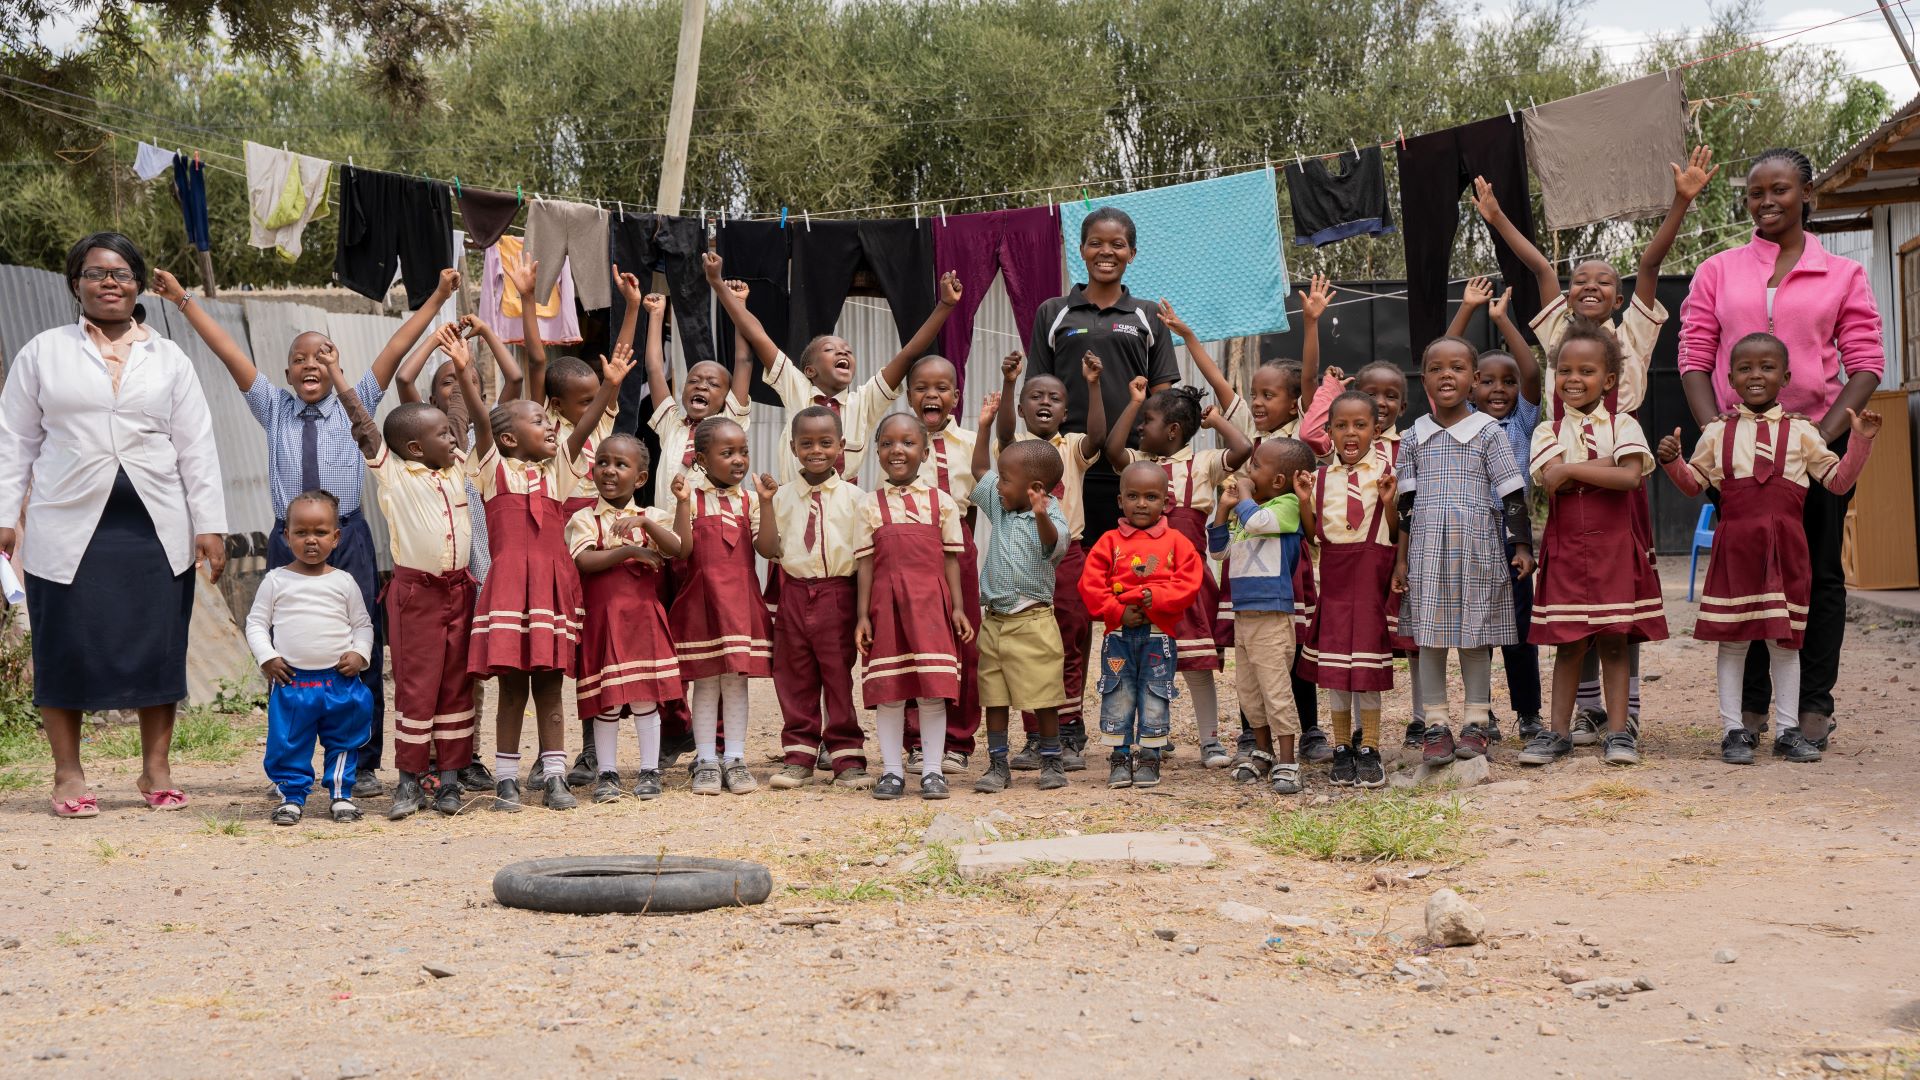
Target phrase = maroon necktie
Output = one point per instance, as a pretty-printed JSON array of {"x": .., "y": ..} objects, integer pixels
[
  {"x": 1355, "y": 511},
  {"x": 839, "y": 463},
  {"x": 686, "y": 459},
  {"x": 1763, "y": 451}
]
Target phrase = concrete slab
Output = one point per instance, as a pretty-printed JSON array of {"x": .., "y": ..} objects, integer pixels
[{"x": 1168, "y": 849}]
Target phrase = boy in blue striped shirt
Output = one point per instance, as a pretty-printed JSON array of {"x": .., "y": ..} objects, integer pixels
[
  {"x": 1021, "y": 658},
  {"x": 1257, "y": 532}
]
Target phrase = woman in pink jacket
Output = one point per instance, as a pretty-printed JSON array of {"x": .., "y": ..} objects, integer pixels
[{"x": 1785, "y": 283}]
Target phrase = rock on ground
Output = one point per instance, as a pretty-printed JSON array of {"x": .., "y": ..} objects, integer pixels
[{"x": 1453, "y": 921}]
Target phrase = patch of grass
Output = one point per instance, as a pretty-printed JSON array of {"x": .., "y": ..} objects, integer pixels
[
  {"x": 215, "y": 825},
  {"x": 939, "y": 874},
  {"x": 17, "y": 781},
  {"x": 106, "y": 852},
  {"x": 199, "y": 735},
  {"x": 1392, "y": 827},
  {"x": 860, "y": 892},
  {"x": 176, "y": 927},
  {"x": 73, "y": 938},
  {"x": 1613, "y": 791}
]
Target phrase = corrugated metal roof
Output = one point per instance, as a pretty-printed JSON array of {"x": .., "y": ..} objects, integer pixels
[
  {"x": 243, "y": 468},
  {"x": 31, "y": 301}
]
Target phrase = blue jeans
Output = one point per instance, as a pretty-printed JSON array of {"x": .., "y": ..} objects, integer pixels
[
  {"x": 319, "y": 706},
  {"x": 1136, "y": 687}
]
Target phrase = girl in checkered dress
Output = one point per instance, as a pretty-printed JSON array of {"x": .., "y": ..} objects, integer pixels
[{"x": 1452, "y": 564}]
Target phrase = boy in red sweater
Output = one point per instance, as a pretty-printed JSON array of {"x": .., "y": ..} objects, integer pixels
[{"x": 1139, "y": 578}]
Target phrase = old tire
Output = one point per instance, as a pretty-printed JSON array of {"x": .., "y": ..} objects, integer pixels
[{"x": 631, "y": 884}]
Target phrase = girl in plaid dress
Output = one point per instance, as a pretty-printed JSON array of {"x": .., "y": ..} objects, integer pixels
[{"x": 1452, "y": 564}]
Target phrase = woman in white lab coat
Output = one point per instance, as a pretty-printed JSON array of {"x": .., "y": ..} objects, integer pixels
[{"x": 106, "y": 441}]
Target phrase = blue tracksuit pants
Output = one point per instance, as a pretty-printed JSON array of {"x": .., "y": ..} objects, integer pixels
[{"x": 322, "y": 706}]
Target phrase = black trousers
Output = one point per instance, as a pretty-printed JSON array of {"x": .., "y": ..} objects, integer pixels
[
  {"x": 642, "y": 244},
  {"x": 827, "y": 255},
  {"x": 386, "y": 217},
  {"x": 1825, "y": 518},
  {"x": 1522, "y": 659},
  {"x": 756, "y": 252},
  {"x": 1434, "y": 170}
]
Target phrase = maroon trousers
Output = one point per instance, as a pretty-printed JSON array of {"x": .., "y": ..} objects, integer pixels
[
  {"x": 1070, "y": 615},
  {"x": 428, "y": 616},
  {"x": 813, "y": 661}
]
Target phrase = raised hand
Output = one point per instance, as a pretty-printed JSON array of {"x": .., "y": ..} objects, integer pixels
[
  {"x": 990, "y": 404},
  {"x": 679, "y": 488},
  {"x": 738, "y": 288},
  {"x": 469, "y": 325},
  {"x": 456, "y": 349},
  {"x": 1210, "y": 417},
  {"x": 1314, "y": 299},
  {"x": 655, "y": 303},
  {"x": 448, "y": 285},
  {"x": 1137, "y": 389},
  {"x": 950, "y": 289},
  {"x": 766, "y": 485},
  {"x": 520, "y": 272},
  {"x": 711, "y": 263},
  {"x": 1669, "y": 448},
  {"x": 1484, "y": 199},
  {"x": 1479, "y": 290},
  {"x": 167, "y": 287},
  {"x": 1303, "y": 486},
  {"x": 1037, "y": 494},
  {"x": 1010, "y": 367},
  {"x": 1173, "y": 321},
  {"x": 614, "y": 369},
  {"x": 1866, "y": 423},
  {"x": 629, "y": 286},
  {"x": 1498, "y": 309},
  {"x": 1689, "y": 182},
  {"x": 1090, "y": 366}
]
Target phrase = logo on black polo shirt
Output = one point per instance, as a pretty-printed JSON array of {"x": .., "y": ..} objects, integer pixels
[{"x": 1127, "y": 328}]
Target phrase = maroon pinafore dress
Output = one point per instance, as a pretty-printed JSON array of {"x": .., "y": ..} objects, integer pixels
[
  {"x": 1347, "y": 645},
  {"x": 913, "y": 653},
  {"x": 529, "y": 612},
  {"x": 626, "y": 650},
  {"x": 1760, "y": 570},
  {"x": 1193, "y": 638},
  {"x": 1592, "y": 568},
  {"x": 719, "y": 622}
]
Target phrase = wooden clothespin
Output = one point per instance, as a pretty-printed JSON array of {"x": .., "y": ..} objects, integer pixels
[{"x": 1403, "y": 135}]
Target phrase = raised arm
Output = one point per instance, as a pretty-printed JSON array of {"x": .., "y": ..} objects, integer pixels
[
  {"x": 522, "y": 272},
  {"x": 745, "y": 324},
  {"x": 657, "y": 386},
  {"x": 475, "y": 401},
  {"x": 766, "y": 540},
  {"x": 366, "y": 434},
  {"x": 1239, "y": 447},
  {"x": 1003, "y": 417},
  {"x": 1313, "y": 304},
  {"x": 416, "y": 325},
  {"x": 406, "y": 381},
  {"x": 1094, "y": 444},
  {"x": 1116, "y": 446},
  {"x": 983, "y": 437},
  {"x": 1222, "y": 389},
  {"x": 1478, "y": 291},
  {"x": 630, "y": 292},
  {"x": 1688, "y": 183},
  {"x": 1517, "y": 347},
  {"x": 511, "y": 380},
  {"x": 895, "y": 372},
  {"x": 237, "y": 362},
  {"x": 1488, "y": 204},
  {"x": 612, "y": 372},
  {"x": 742, "y": 385}
]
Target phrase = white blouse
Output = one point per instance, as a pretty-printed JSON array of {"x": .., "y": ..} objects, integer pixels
[{"x": 65, "y": 434}]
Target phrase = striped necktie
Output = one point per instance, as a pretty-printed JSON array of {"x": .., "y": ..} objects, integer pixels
[
  {"x": 840, "y": 462},
  {"x": 1764, "y": 451}
]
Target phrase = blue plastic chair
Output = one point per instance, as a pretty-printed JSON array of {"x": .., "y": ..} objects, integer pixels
[{"x": 1702, "y": 539}]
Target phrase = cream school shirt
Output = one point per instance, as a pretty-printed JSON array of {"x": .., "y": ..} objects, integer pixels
[
  {"x": 950, "y": 455},
  {"x": 429, "y": 521},
  {"x": 563, "y": 430},
  {"x": 1637, "y": 332},
  {"x": 591, "y": 528},
  {"x": 1366, "y": 474},
  {"x": 917, "y": 503},
  {"x": 860, "y": 411},
  {"x": 554, "y": 478},
  {"x": 833, "y": 511},
  {"x": 1207, "y": 470},
  {"x": 1807, "y": 456},
  {"x": 727, "y": 504},
  {"x": 1594, "y": 436},
  {"x": 676, "y": 435}
]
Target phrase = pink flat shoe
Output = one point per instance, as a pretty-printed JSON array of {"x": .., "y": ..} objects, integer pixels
[
  {"x": 166, "y": 799},
  {"x": 83, "y": 807}
]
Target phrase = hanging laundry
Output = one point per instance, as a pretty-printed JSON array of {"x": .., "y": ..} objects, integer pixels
[
  {"x": 1603, "y": 155},
  {"x": 486, "y": 214},
  {"x": 645, "y": 244},
  {"x": 190, "y": 187},
  {"x": 1023, "y": 246},
  {"x": 570, "y": 232},
  {"x": 500, "y": 302},
  {"x": 1329, "y": 206},
  {"x": 149, "y": 161},
  {"x": 827, "y": 254},
  {"x": 285, "y": 191},
  {"x": 1434, "y": 170},
  {"x": 756, "y": 252},
  {"x": 387, "y": 219},
  {"x": 1212, "y": 248}
]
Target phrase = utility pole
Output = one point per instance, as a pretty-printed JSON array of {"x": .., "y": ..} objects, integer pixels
[
  {"x": 1906, "y": 50},
  {"x": 686, "y": 82}
]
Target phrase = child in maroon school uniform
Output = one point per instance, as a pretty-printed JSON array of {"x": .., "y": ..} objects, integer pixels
[
  {"x": 1759, "y": 580},
  {"x": 911, "y": 627},
  {"x": 526, "y": 625},
  {"x": 720, "y": 627},
  {"x": 627, "y": 661},
  {"x": 1597, "y": 588},
  {"x": 1168, "y": 422}
]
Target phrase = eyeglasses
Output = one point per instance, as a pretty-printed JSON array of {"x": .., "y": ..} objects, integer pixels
[{"x": 95, "y": 274}]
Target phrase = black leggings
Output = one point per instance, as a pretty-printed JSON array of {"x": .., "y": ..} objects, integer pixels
[
  {"x": 756, "y": 253},
  {"x": 640, "y": 244},
  {"x": 898, "y": 253}
]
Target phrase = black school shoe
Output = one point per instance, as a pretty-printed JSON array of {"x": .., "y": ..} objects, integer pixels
[
  {"x": 1416, "y": 735},
  {"x": 1545, "y": 749},
  {"x": 933, "y": 786},
  {"x": 556, "y": 796},
  {"x": 1736, "y": 748},
  {"x": 1530, "y": 725},
  {"x": 1119, "y": 769},
  {"x": 999, "y": 774},
  {"x": 408, "y": 798},
  {"x": 1794, "y": 748},
  {"x": 1053, "y": 773},
  {"x": 647, "y": 784},
  {"x": 890, "y": 786},
  {"x": 475, "y": 777},
  {"x": 1369, "y": 770},
  {"x": 1315, "y": 747},
  {"x": 447, "y": 801},
  {"x": 1146, "y": 769},
  {"x": 1344, "y": 772},
  {"x": 506, "y": 797},
  {"x": 585, "y": 768}
]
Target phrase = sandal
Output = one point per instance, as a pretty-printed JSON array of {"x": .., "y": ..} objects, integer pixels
[
  {"x": 166, "y": 799},
  {"x": 287, "y": 813},
  {"x": 82, "y": 807}
]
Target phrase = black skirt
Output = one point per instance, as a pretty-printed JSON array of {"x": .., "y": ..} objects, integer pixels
[{"x": 117, "y": 637}]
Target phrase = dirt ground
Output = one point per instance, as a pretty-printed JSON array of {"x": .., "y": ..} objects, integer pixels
[{"x": 210, "y": 943}]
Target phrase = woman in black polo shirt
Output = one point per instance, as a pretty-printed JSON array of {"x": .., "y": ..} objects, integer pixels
[{"x": 1101, "y": 317}]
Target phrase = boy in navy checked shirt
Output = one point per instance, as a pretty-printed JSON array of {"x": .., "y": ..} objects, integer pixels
[{"x": 1021, "y": 658}]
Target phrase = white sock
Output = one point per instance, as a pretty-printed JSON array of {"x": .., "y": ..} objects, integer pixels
[
  {"x": 506, "y": 767},
  {"x": 1785, "y": 663},
  {"x": 646, "y": 726},
  {"x": 933, "y": 734},
  {"x": 1206, "y": 707},
  {"x": 1731, "y": 665},
  {"x": 890, "y": 723},
  {"x": 606, "y": 741},
  {"x": 554, "y": 762},
  {"x": 705, "y": 704},
  {"x": 733, "y": 713}
]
